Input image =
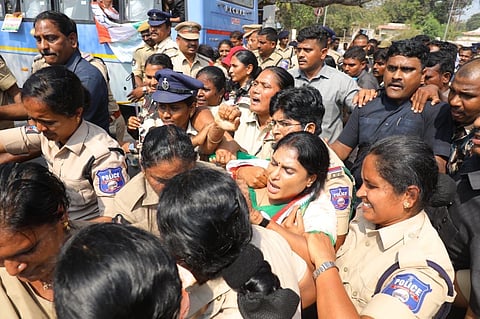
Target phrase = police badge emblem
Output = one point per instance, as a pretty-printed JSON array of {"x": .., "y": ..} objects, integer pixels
[{"x": 165, "y": 84}]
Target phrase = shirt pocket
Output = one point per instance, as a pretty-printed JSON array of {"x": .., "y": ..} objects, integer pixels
[{"x": 80, "y": 192}]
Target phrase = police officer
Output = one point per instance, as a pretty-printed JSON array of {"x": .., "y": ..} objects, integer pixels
[
  {"x": 83, "y": 156},
  {"x": 141, "y": 54},
  {"x": 160, "y": 26},
  {"x": 187, "y": 60},
  {"x": 8, "y": 89}
]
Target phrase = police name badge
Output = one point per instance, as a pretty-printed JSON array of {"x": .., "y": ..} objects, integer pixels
[{"x": 110, "y": 180}]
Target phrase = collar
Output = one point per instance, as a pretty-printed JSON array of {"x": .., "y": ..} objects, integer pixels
[
  {"x": 77, "y": 140},
  {"x": 73, "y": 61},
  {"x": 404, "y": 230},
  {"x": 325, "y": 72},
  {"x": 151, "y": 197}
]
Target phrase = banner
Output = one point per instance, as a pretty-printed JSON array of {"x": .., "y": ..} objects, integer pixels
[{"x": 122, "y": 38}]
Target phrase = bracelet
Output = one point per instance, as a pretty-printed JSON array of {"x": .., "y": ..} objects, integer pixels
[
  {"x": 264, "y": 223},
  {"x": 215, "y": 142},
  {"x": 323, "y": 267}
]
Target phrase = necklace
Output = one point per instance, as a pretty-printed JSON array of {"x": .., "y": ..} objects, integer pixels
[{"x": 46, "y": 285}]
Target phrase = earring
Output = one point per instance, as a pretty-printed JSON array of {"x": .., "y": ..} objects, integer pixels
[
  {"x": 66, "y": 225},
  {"x": 406, "y": 204}
]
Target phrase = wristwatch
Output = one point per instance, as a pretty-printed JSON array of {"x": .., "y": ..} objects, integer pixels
[
  {"x": 132, "y": 148},
  {"x": 323, "y": 267}
]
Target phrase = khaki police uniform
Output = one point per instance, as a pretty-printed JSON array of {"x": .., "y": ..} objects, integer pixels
[
  {"x": 7, "y": 80},
  {"x": 19, "y": 301},
  {"x": 215, "y": 299},
  {"x": 181, "y": 64},
  {"x": 286, "y": 53},
  {"x": 167, "y": 46},
  {"x": 415, "y": 290},
  {"x": 272, "y": 60},
  {"x": 140, "y": 56},
  {"x": 90, "y": 188},
  {"x": 137, "y": 202},
  {"x": 339, "y": 186}
]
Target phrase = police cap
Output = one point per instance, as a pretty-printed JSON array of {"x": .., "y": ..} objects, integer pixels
[
  {"x": 157, "y": 17},
  {"x": 189, "y": 30},
  {"x": 174, "y": 87}
]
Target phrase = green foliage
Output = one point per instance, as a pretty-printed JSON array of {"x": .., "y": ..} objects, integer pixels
[
  {"x": 473, "y": 22},
  {"x": 423, "y": 16}
]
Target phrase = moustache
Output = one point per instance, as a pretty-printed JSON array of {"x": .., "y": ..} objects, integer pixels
[{"x": 47, "y": 53}]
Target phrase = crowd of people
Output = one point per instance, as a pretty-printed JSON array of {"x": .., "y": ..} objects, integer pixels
[{"x": 278, "y": 178}]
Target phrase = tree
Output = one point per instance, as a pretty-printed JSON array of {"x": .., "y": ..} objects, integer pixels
[{"x": 473, "y": 22}]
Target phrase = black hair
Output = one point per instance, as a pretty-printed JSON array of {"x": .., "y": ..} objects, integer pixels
[
  {"x": 423, "y": 38},
  {"x": 206, "y": 227},
  {"x": 215, "y": 75},
  {"x": 225, "y": 41},
  {"x": 284, "y": 79},
  {"x": 446, "y": 46},
  {"x": 206, "y": 51},
  {"x": 443, "y": 59},
  {"x": 330, "y": 61},
  {"x": 303, "y": 104},
  {"x": 237, "y": 35},
  {"x": 160, "y": 59},
  {"x": 270, "y": 33},
  {"x": 246, "y": 57},
  {"x": 357, "y": 53},
  {"x": 410, "y": 49},
  {"x": 312, "y": 154},
  {"x": 208, "y": 230},
  {"x": 60, "y": 20},
  {"x": 166, "y": 143},
  {"x": 59, "y": 88},
  {"x": 315, "y": 32},
  {"x": 115, "y": 271},
  {"x": 405, "y": 160},
  {"x": 30, "y": 196},
  {"x": 380, "y": 54}
]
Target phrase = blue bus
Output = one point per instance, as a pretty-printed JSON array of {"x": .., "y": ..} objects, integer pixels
[{"x": 217, "y": 17}]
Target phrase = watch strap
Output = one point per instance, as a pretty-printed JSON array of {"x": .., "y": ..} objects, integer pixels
[{"x": 323, "y": 267}]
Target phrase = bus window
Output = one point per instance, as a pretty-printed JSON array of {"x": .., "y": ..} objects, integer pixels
[
  {"x": 76, "y": 9},
  {"x": 136, "y": 10},
  {"x": 245, "y": 3},
  {"x": 31, "y": 8}
]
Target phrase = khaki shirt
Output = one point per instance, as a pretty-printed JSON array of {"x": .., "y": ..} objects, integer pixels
[
  {"x": 273, "y": 60},
  {"x": 137, "y": 202},
  {"x": 286, "y": 53},
  {"x": 167, "y": 46},
  {"x": 108, "y": 171},
  {"x": 368, "y": 252},
  {"x": 250, "y": 136},
  {"x": 221, "y": 301},
  {"x": 140, "y": 56},
  {"x": 7, "y": 80},
  {"x": 181, "y": 64}
]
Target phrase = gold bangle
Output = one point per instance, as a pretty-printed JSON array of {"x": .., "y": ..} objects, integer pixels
[{"x": 215, "y": 142}]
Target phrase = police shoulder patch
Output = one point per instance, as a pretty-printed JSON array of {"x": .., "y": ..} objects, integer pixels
[
  {"x": 409, "y": 289},
  {"x": 31, "y": 129},
  {"x": 110, "y": 180},
  {"x": 339, "y": 197}
]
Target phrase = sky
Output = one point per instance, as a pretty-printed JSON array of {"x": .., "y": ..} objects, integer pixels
[{"x": 475, "y": 8}]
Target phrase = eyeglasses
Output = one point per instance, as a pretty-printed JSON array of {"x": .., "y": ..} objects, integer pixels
[{"x": 282, "y": 123}]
